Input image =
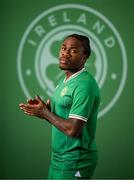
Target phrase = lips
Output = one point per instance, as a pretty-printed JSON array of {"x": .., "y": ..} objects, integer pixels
[{"x": 63, "y": 60}]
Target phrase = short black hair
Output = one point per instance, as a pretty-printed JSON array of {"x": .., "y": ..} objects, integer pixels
[{"x": 85, "y": 42}]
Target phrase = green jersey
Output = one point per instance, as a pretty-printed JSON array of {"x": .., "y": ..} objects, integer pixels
[{"x": 77, "y": 97}]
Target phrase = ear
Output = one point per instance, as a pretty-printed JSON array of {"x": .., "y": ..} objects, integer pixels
[{"x": 84, "y": 58}]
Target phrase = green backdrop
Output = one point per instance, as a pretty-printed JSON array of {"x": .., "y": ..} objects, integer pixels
[{"x": 25, "y": 142}]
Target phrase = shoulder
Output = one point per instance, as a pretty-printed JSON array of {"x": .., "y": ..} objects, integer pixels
[
  {"x": 86, "y": 85},
  {"x": 87, "y": 80}
]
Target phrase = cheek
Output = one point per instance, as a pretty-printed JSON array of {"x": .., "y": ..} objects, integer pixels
[
  {"x": 74, "y": 63},
  {"x": 60, "y": 53},
  {"x": 77, "y": 59}
]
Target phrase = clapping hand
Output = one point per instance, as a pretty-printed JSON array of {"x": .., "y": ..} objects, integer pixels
[{"x": 35, "y": 107}]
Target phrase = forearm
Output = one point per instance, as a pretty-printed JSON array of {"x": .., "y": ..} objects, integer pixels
[
  {"x": 66, "y": 126},
  {"x": 71, "y": 127}
]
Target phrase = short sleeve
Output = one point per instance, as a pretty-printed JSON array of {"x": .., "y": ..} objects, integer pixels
[{"x": 82, "y": 103}]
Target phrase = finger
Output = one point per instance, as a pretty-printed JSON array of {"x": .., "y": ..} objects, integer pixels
[
  {"x": 30, "y": 101},
  {"x": 48, "y": 102},
  {"x": 27, "y": 113},
  {"x": 38, "y": 98},
  {"x": 29, "y": 110},
  {"x": 22, "y": 105},
  {"x": 32, "y": 113},
  {"x": 23, "y": 109},
  {"x": 35, "y": 101},
  {"x": 30, "y": 106}
]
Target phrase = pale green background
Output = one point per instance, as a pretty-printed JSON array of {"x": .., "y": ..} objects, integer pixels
[{"x": 25, "y": 141}]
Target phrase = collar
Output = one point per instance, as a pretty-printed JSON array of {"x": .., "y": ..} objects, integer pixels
[{"x": 74, "y": 75}]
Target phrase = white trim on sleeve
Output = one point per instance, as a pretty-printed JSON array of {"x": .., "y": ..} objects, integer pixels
[{"x": 78, "y": 117}]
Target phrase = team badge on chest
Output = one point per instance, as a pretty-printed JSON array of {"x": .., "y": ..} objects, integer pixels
[{"x": 64, "y": 91}]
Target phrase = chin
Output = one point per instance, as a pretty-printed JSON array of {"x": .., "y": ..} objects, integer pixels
[
  {"x": 73, "y": 70},
  {"x": 63, "y": 68}
]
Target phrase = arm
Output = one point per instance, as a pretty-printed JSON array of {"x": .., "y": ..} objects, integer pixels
[{"x": 71, "y": 127}]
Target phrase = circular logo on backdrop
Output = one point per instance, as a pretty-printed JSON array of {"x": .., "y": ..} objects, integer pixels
[{"x": 37, "y": 61}]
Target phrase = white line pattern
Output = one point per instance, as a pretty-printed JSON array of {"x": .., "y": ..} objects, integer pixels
[{"x": 78, "y": 117}]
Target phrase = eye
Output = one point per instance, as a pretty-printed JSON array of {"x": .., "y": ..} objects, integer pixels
[
  {"x": 73, "y": 51},
  {"x": 63, "y": 48}
]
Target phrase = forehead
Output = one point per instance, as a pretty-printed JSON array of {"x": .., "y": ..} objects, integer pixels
[{"x": 73, "y": 42}]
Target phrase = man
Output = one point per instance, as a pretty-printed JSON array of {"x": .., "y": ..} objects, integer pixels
[{"x": 73, "y": 114}]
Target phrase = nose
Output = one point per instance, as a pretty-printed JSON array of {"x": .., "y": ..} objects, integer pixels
[{"x": 66, "y": 53}]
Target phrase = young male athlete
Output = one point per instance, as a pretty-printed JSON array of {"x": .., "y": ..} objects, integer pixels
[{"x": 72, "y": 111}]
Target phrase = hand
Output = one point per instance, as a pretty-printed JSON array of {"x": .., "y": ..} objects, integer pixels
[
  {"x": 48, "y": 104},
  {"x": 35, "y": 107}
]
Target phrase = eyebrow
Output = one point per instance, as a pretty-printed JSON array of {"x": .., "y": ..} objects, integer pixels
[{"x": 71, "y": 46}]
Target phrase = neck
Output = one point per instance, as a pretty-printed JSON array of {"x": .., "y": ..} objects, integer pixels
[{"x": 70, "y": 73}]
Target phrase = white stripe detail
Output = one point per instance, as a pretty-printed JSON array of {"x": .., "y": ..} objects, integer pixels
[
  {"x": 78, "y": 117},
  {"x": 74, "y": 75},
  {"x": 78, "y": 174}
]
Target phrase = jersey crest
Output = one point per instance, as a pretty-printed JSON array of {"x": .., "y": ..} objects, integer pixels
[{"x": 64, "y": 91}]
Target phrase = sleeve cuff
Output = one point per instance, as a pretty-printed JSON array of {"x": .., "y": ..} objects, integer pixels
[{"x": 78, "y": 117}]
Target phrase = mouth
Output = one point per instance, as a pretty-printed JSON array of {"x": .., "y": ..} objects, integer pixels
[{"x": 63, "y": 60}]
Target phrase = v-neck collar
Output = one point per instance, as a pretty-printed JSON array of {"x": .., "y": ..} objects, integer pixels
[{"x": 74, "y": 75}]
